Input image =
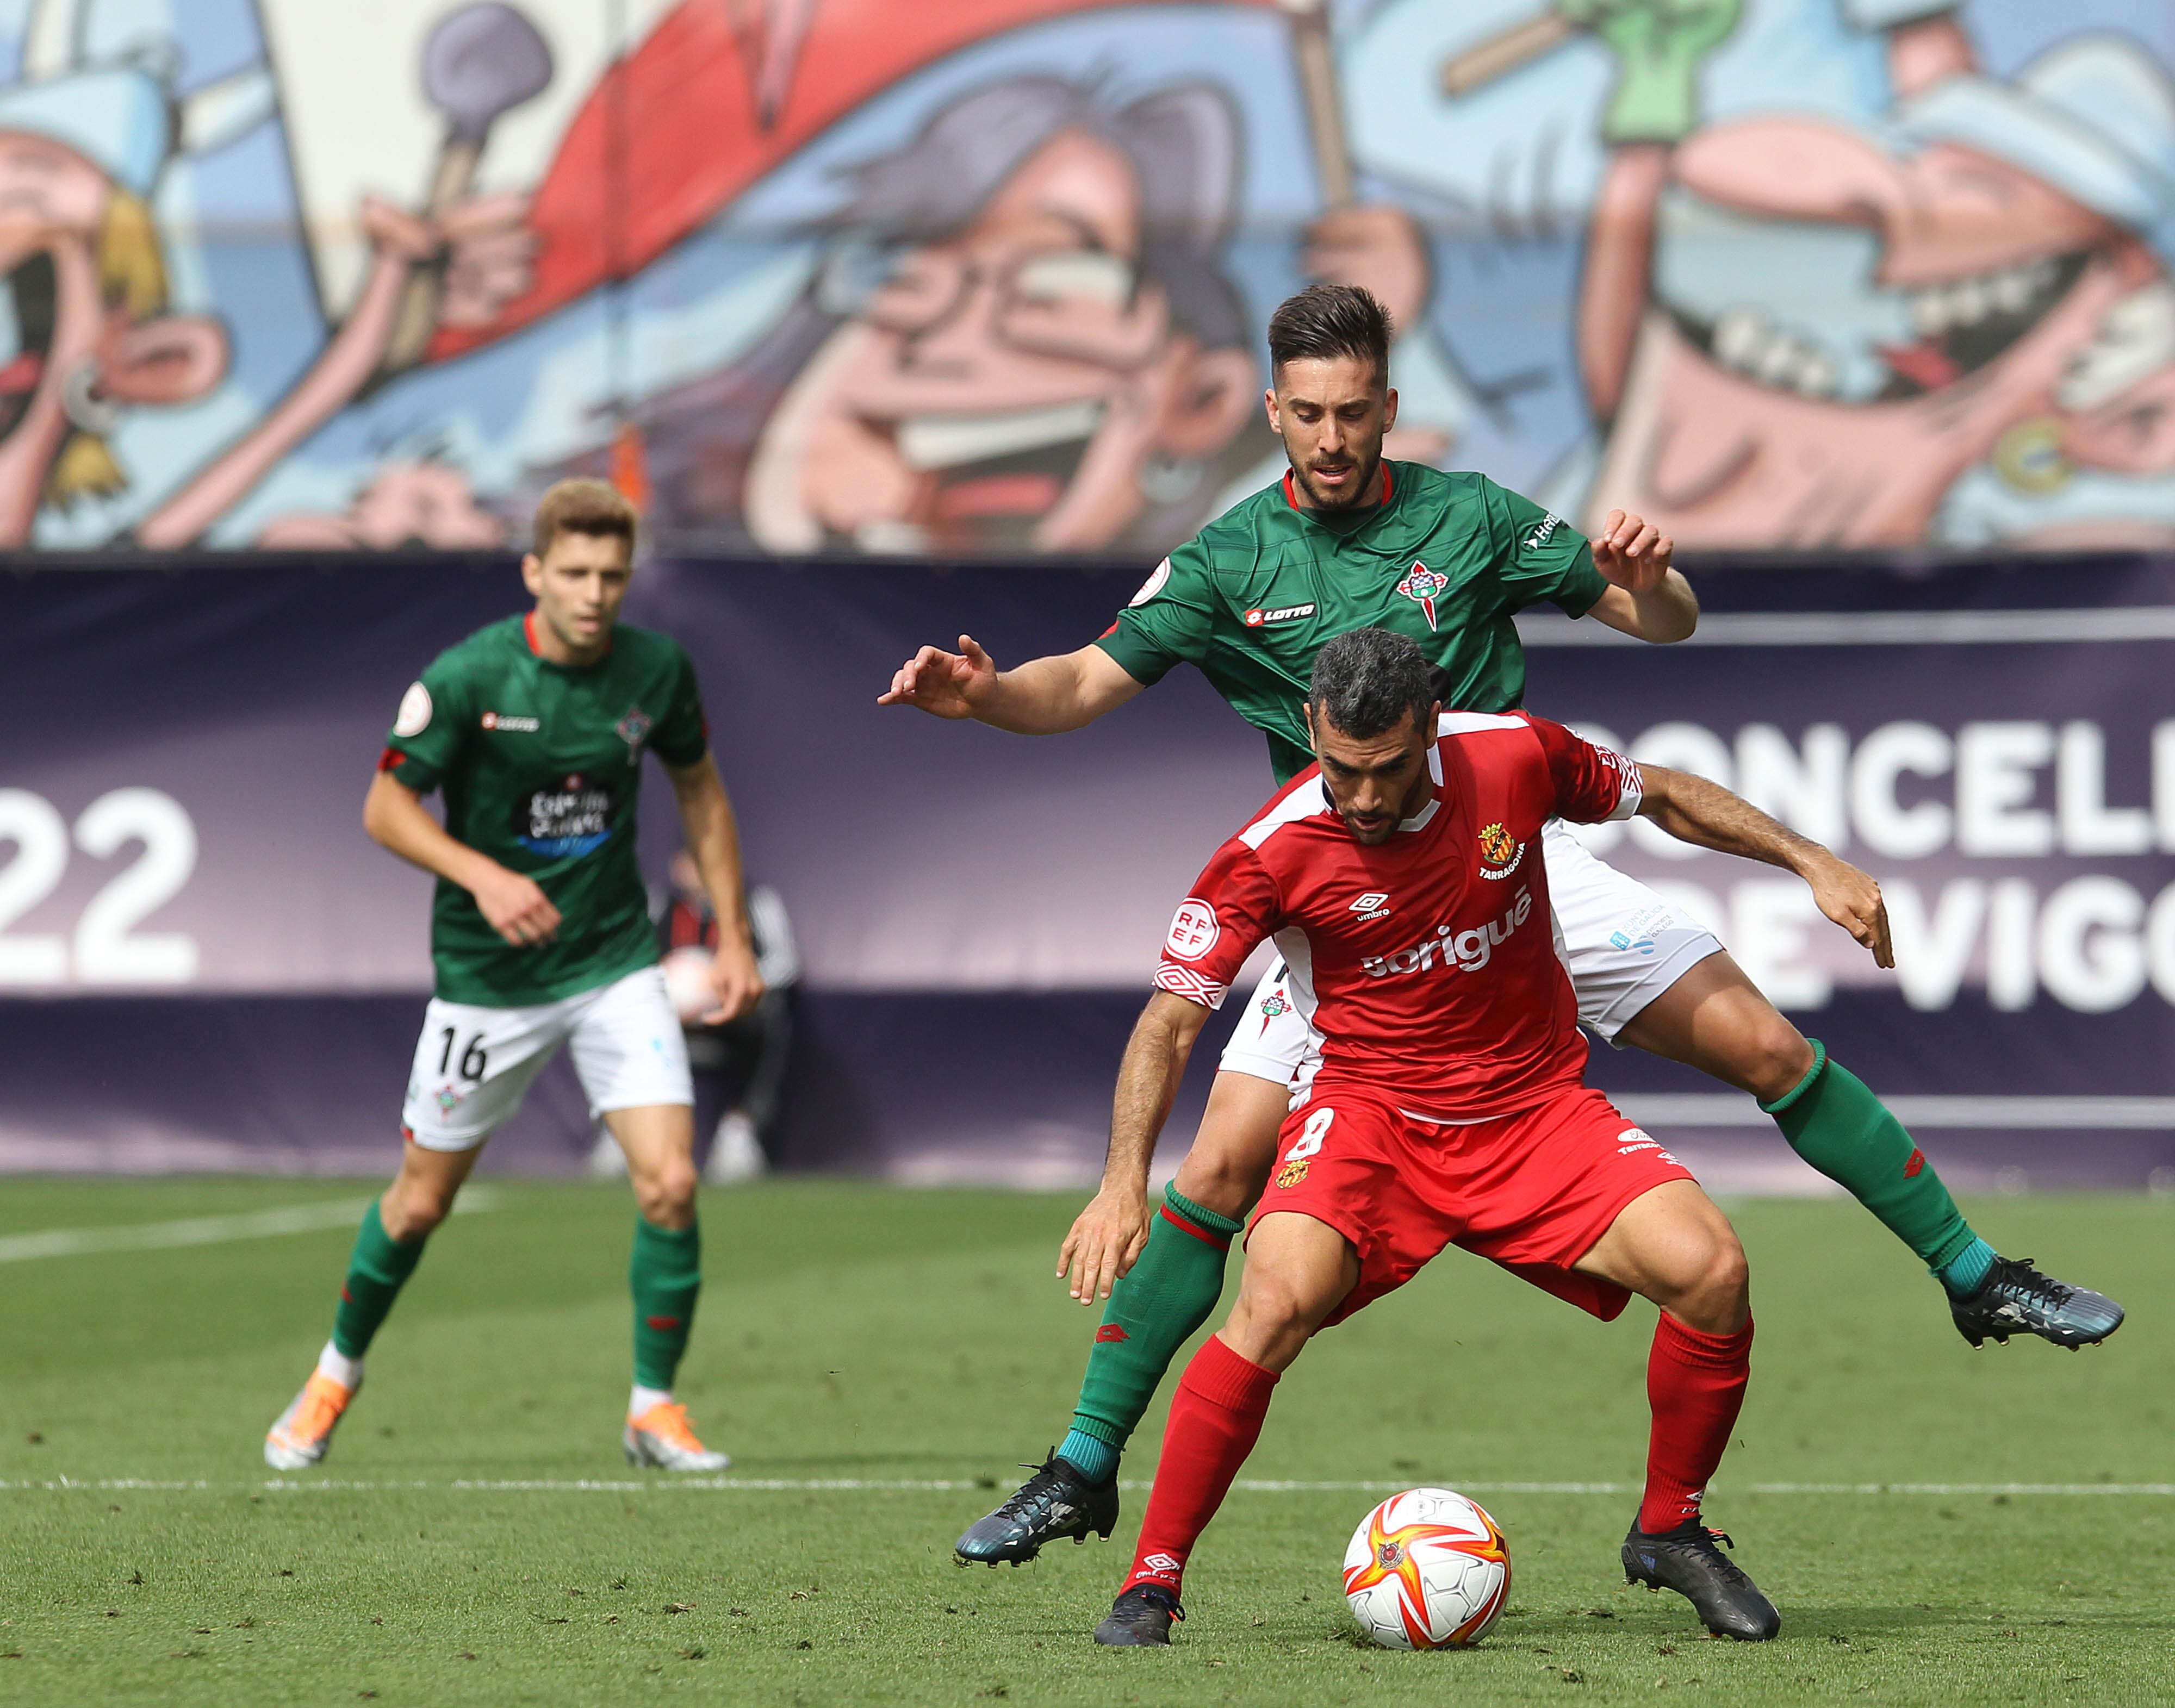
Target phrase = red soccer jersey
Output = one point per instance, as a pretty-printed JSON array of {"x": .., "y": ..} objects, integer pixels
[{"x": 1428, "y": 962}]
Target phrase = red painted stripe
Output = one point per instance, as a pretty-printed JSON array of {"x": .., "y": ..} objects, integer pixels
[{"x": 1222, "y": 1242}]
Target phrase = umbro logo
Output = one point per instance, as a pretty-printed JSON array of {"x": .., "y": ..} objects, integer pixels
[
  {"x": 1161, "y": 1561},
  {"x": 1371, "y": 905}
]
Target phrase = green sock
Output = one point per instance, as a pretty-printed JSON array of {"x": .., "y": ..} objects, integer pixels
[
  {"x": 377, "y": 1270},
  {"x": 666, "y": 1274},
  {"x": 1841, "y": 1129},
  {"x": 1153, "y": 1311}
]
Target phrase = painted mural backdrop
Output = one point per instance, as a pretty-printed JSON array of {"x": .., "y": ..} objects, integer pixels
[{"x": 989, "y": 276}]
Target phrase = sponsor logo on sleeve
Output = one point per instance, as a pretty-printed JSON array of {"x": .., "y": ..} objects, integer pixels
[
  {"x": 1539, "y": 537},
  {"x": 1277, "y": 614},
  {"x": 1193, "y": 930},
  {"x": 413, "y": 716},
  {"x": 1154, "y": 585}
]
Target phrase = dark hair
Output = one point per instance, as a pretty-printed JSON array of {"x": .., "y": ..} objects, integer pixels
[
  {"x": 584, "y": 505},
  {"x": 1329, "y": 320},
  {"x": 1366, "y": 681}
]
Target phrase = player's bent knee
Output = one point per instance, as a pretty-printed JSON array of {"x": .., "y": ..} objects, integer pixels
[
  {"x": 1771, "y": 1054},
  {"x": 665, "y": 1195}
]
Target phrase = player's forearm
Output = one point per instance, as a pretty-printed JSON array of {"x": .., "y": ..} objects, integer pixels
[
  {"x": 397, "y": 822},
  {"x": 1044, "y": 696},
  {"x": 1704, "y": 813},
  {"x": 1668, "y": 611},
  {"x": 1147, "y": 1084},
  {"x": 714, "y": 842}
]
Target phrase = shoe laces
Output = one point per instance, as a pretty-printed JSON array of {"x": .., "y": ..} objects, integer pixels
[
  {"x": 2015, "y": 1275},
  {"x": 1702, "y": 1538},
  {"x": 1048, "y": 1477}
]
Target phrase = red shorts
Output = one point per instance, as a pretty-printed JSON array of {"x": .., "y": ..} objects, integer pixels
[{"x": 1531, "y": 1191}]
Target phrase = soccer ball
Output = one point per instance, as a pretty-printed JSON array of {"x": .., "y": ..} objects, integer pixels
[
  {"x": 1427, "y": 1570},
  {"x": 687, "y": 983}
]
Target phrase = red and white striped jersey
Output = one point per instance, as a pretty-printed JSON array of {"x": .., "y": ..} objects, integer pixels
[{"x": 1428, "y": 963}]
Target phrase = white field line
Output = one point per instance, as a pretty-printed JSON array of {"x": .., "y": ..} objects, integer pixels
[
  {"x": 207, "y": 1230},
  {"x": 805, "y": 1485},
  {"x": 1882, "y": 628},
  {"x": 2090, "y": 1113}
]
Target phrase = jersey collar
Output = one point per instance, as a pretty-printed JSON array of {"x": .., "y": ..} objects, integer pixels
[{"x": 1389, "y": 488}]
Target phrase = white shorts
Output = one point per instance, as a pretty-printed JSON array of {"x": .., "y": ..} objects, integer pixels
[
  {"x": 1622, "y": 945},
  {"x": 473, "y": 1066}
]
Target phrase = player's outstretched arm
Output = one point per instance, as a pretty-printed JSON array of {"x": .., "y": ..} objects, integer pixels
[
  {"x": 1044, "y": 696},
  {"x": 1693, "y": 809},
  {"x": 1110, "y": 1232},
  {"x": 1645, "y": 598},
  {"x": 714, "y": 843},
  {"x": 514, "y": 906}
]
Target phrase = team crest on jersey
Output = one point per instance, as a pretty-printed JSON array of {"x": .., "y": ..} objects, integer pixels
[
  {"x": 1291, "y": 1174},
  {"x": 1424, "y": 585},
  {"x": 1499, "y": 851},
  {"x": 633, "y": 728}
]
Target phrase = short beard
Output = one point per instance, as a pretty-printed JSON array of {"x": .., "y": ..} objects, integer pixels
[{"x": 1361, "y": 494}]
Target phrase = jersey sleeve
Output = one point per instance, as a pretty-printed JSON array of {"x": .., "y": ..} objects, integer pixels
[
  {"x": 434, "y": 719},
  {"x": 1169, "y": 621},
  {"x": 1539, "y": 556},
  {"x": 682, "y": 734},
  {"x": 1592, "y": 783},
  {"x": 1234, "y": 904}
]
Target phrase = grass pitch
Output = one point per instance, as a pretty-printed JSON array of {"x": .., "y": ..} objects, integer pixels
[{"x": 475, "y": 1536}]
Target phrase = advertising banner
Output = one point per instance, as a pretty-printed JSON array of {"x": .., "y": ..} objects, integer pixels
[{"x": 188, "y": 755}]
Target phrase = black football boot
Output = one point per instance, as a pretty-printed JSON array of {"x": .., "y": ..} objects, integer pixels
[
  {"x": 1139, "y": 1618},
  {"x": 1685, "y": 1559},
  {"x": 1054, "y": 1503},
  {"x": 2016, "y": 1298}
]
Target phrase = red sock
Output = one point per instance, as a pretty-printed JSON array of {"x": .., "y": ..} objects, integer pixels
[
  {"x": 1696, "y": 1387},
  {"x": 1215, "y": 1419}
]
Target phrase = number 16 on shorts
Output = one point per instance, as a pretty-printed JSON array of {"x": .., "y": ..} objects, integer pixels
[{"x": 1302, "y": 1148}]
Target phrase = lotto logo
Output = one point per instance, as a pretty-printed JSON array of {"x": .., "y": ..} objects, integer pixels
[
  {"x": 1281, "y": 614},
  {"x": 1193, "y": 930}
]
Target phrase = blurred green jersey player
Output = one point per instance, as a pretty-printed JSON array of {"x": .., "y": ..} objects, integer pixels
[{"x": 534, "y": 730}]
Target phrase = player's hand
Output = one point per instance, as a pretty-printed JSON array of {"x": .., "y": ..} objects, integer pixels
[
  {"x": 1104, "y": 1241},
  {"x": 945, "y": 685},
  {"x": 1852, "y": 900},
  {"x": 515, "y": 906},
  {"x": 1631, "y": 552},
  {"x": 734, "y": 977}
]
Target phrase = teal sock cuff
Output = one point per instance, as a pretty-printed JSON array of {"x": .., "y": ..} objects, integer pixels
[
  {"x": 1804, "y": 1085},
  {"x": 1110, "y": 1434},
  {"x": 1963, "y": 1270},
  {"x": 1200, "y": 1213}
]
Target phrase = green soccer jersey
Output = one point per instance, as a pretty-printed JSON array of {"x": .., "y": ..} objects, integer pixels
[
  {"x": 1448, "y": 558},
  {"x": 540, "y": 764}
]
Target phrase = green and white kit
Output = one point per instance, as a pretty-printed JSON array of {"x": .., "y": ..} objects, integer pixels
[{"x": 540, "y": 765}]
